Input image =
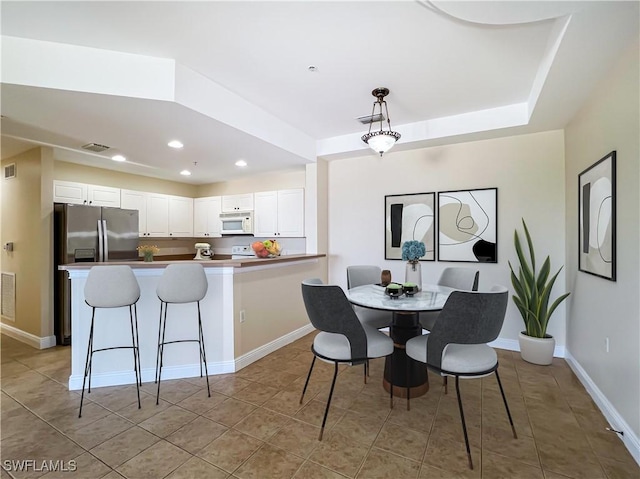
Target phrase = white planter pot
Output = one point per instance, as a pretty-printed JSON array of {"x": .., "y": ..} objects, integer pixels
[{"x": 537, "y": 350}]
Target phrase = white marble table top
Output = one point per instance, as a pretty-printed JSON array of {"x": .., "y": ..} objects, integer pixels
[{"x": 431, "y": 298}]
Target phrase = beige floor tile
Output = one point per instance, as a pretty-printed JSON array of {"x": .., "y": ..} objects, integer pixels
[
  {"x": 167, "y": 421},
  {"x": 99, "y": 431},
  {"x": 451, "y": 455},
  {"x": 196, "y": 468},
  {"x": 313, "y": 413},
  {"x": 174, "y": 391},
  {"x": 607, "y": 444},
  {"x": 358, "y": 427},
  {"x": 197, "y": 434},
  {"x": 620, "y": 469},
  {"x": 119, "y": 449},
  {"x": 287, "y": 402},
  {"x": 269, "y": 461},
  {"x": 230, "y": 412},
  {"x": 568, "y": 460},
  {"x": 148, "y": 408},
  {"x": 501, "y": 467},
  {"x": 296, "y": 437},
  {"x": 69, "y": 421},
  {"x": 340, "y": 455},
  {"x": 114, "y": 398},
  {"x": 381, "y": 464},
  {"x": 200, "y": 403},
  {"x": 261, "y": 424},
  {"x": 311, "y": 470},
  {"x": 430, "y": 472},
  {"x": 83, "y": 466},
  {"x": 230, "y": 450},
  {"x": 256, "y": 393},
  {"x": 501, "y": 441},
  {"x": 229, "y": 385},
  {"x": 157, "y": 461},
  {"x": 404, "y": 442}
]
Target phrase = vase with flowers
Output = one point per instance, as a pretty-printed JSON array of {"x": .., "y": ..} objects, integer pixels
[
  {"x": 412, "y": 251},
  {"x": 148, "y": 251}
]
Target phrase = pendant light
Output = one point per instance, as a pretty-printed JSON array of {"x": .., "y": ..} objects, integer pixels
[{"x": 382, "y": 140}]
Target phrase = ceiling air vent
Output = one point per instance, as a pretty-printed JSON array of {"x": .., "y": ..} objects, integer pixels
[
  {"x": 96, "y": 147},
  {"x": 10, "y": 171},
  {"x": 365, "y": 120}
]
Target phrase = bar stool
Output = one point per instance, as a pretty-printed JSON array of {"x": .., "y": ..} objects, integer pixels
[
  {"x": 181, "y": 283},
  {"x": 112, "y": 287}
]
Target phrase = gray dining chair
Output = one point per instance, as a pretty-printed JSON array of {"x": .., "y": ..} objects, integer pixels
[
  {"x": 456, "y": 346},
  {"x": 360, "y": 275},
  {"x": 464, "y": 279},
  {"x": 113, "y": 286},
  {"x": 342, "y": 339}
]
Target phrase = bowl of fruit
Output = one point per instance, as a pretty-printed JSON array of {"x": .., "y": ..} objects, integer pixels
[
  {"x": 266, "y": 249},
  {"x": 393, "y": 290}
]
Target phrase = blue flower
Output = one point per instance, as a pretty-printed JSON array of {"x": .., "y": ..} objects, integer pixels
[{"x": 413, "y": 250}]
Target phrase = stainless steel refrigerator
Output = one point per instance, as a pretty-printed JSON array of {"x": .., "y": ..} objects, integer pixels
[{"x": 87, "y": 234}]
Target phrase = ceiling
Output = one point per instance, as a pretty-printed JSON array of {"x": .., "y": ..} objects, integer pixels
[{"x": 231, "y": 79}]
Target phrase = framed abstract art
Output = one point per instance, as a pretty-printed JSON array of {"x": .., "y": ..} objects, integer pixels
[
  {"x": 409, "y": 217},
  {"x": 597, "y": 218},
  {"x": 468, "y": 225}
]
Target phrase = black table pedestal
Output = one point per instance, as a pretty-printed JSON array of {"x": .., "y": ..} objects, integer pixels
[{"x": 404, "y": 327}]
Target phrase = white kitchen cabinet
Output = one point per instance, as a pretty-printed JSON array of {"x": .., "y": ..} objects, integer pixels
[
  {"x": 84, "y": 194},
  {"x": 153, "y": 212},
  {"x": 279, "y": 213},
  {"x": 206, "y": 217},
  {"x": 180, "y": 216},
  {"x": 233, "y": 203}
]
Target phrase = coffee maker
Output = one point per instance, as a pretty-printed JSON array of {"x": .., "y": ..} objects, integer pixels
[{"x": 203, "y": 251}]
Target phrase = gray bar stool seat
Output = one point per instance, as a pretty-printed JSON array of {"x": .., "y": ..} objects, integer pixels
[
  {"x": 112, "y": 287},
  {"x": 180, "y": 284}
]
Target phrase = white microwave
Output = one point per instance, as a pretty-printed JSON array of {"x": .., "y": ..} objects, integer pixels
[{"x": 237, "y": 223}]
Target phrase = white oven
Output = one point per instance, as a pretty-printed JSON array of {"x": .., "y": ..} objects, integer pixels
[{"x": 237, "y": 223}]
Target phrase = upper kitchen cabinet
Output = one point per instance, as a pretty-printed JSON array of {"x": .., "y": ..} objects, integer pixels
[
  {"x": 233, "y": 203},
  {"x": 83, "y": 194},
  {"x": 153, "y": 211},
  {"x": 279, "y": 213},
  {"x": 206, "y": 217},
  {"x": 180, "y": 216}
]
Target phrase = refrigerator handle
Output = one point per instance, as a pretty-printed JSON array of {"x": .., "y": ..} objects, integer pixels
[
  {"x": 106, "y": 241},
  {"x": 100, "y": 241}
]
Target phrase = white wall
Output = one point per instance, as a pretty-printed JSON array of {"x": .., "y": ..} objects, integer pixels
[
  {"x": 600, "y": 308},
  {"x": 528, "y": 171}
]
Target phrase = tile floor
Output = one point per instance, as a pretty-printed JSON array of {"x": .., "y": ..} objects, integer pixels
[{"x": 253, "y": 427}]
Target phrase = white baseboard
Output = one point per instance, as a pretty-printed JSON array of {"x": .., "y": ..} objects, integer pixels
[
  {"x": 616, "y": 421},
  {"x": 262, "y": 351},
  {"x": 190, "y": 370},
  {"x": 28, "y": 338},
  {"x": 514, "y": 345},
  {"x": 148, "y": 375}
]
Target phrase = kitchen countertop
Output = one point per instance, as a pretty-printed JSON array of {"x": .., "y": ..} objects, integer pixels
[{"x": 218, "y": 263}]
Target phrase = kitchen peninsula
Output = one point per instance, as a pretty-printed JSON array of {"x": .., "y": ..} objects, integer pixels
[{"x": 252, "y": 308}]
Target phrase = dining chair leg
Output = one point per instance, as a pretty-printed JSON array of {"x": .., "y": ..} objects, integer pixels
[
  {"x": 408, "y": 384},
  {"x": 506, "y": 406},
  {"x": 204, "y": 353},
  {"x": 444, "y": 382},
  {"x": 160, "y": 362},
  {"x": 391, "y": 388},
  {"x": 326, "y": 411},
  {"x": 464, "y": 425},
  {"x": 135, "y": 356},
  {"x": 366, "y": 364},
  {"x": 86, "y": 363},
  {"x": 306, "y": 383}
]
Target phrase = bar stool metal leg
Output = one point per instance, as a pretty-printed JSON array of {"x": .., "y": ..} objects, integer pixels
[
  {"x": 86, "y": 363},
  {"x": 204, "y": 353},
  {"x": 163, "y": 325}
]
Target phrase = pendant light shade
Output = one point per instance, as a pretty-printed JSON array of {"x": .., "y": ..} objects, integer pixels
[{"x": 381, "y": 140}]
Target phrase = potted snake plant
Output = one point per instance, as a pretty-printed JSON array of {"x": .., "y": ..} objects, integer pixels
[{"x": 532, "y": 296}]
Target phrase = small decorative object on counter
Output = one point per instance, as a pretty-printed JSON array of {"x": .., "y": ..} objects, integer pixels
[
  {"x": 410, "y": 288},
  {"x": 385, "y": 277},
  {"x": 148, "y": 251},
  {"x": 394, "y": 290},
  {"x": 412, "y": 251},
  {"x": 266, "y": 249}
]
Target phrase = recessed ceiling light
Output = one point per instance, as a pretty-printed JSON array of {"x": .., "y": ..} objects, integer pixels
[
  {"x": 185, "y": 173},
  {"x": 175, "y": 144},
  {"x": 241, "y": 163},
  {"x": 312, "y": 68},
  {"x": 118, "y": 158}
]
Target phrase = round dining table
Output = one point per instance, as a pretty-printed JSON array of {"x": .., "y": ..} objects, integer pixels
[{"x": 404, "y": 326}]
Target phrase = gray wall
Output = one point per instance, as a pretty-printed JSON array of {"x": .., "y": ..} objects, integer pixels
[{"x": 599, "y": 308}]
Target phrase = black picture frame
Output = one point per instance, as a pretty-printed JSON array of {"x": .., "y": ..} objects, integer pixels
[
  {"x": 597, "y": 218},
  {"x": 468, "y": 225},
  {"x": 409, "y": 217}
]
